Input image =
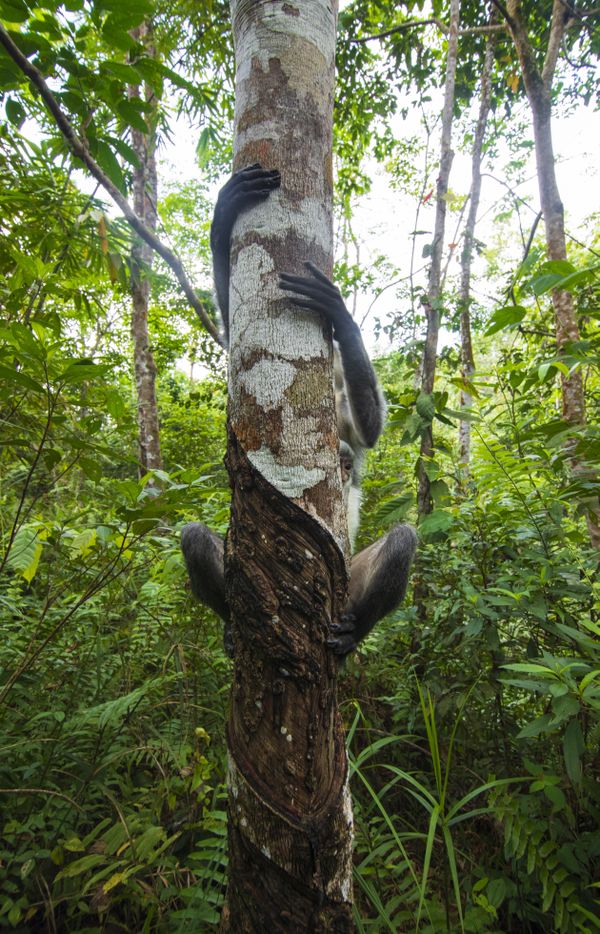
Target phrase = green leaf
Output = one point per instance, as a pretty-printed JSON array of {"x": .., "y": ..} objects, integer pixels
[
  {"x": 564, "y": 707},
  {"x": 132, "y": 116},
  {"x": 84, "y": 542},
  {"x": 508, "y": 316},
  {"x": 559, "y": 266},
  {"x": 13, "y": 11},
  {"x": 91, "y": 468},
  {"x": 81, "y": 371},
  {"x": 108, "y": 162},
  {"x": 20, "y": 378},
  {"x": 125, "y": 73},
  {"x": 425, "y": 406},
  {"x": 15, "y": 111},
  {"x": 531, "y": 668},
  {"x": 80, "y": 866},
  {"x": 125, "y": 150},
  {"x": 25, "y": 552},
  {"x": 437, "y": 521},
  {"x": 588, "y": 679},
  {"x": 540, "y": 725}
]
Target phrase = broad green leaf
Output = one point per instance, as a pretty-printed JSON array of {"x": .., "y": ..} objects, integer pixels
[
  {"x": 425, "y": 406},
  {"x": 532, "y": 668},
  {"x": 131, "y": 112},
  {"x": 21, "y": 379},
  {"x": 91, "y": 468},
  {"x": 81, "y": 371},
  {"x": 25, "y": 552},
  {"x": 13, "y": 11},
  {"x": 507, "y": 316},
  {"x": 540, "y": 725},
  {"x": 125, "y": 73},
  {"x": 108, "y": 163},
  {"x": 83, "y": 543},
  {"x": 588, "y": 679},
  {"x": 437, "y": 521},
  {"x": 80, "y": 866},
  {"x": 15, "y": 111}
]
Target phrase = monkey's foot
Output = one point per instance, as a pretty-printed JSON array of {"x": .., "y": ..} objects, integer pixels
[{"x": 343, "y": 635}]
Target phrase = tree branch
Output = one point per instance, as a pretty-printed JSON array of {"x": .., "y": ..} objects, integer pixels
[
  {"x": 416, "y": 23},
  {"x": 558, "y": 27},
  {"x": 80, "y": 151},
  {"x": 506, "y": 15}
]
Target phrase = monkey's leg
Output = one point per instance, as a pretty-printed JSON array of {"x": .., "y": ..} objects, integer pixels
[
  {"x": 378, "y": 579},
  {"x": 203, "y": 553}
]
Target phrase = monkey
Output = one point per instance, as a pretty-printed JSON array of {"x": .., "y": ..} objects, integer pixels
[{"x": 379, "y": 573}]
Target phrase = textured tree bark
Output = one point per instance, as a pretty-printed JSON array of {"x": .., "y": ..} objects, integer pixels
[
  {"x": 145, "y": 193},
  {"x": 431, "y": 304},
  {"x": 538, "y": 87},
  {"x": 290, "y": 818},
  {"x": 466, "y": 342}
]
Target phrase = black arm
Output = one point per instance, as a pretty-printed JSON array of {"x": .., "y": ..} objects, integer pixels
[
  {"x": 361, "y": 390},
  {"x": 245, "y": 188}
]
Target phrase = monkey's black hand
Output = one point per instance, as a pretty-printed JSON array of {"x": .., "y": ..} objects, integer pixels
[
  {"x": 318, "y": 293},
  {"x": 245, "y": 188},
  {"x": 343, "y": 639}
]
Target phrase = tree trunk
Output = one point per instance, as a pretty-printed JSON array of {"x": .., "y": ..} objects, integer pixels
[
  {"x": 538, "y": 87},
  {"x": 145, "y": 192},
  {"x": 431, "y": 304},
  {"x": 466, "y": 343},
  {"x": 290, "y": 817}
]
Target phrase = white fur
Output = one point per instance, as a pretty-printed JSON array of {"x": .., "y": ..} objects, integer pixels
[{"x": 353, "y": 513}]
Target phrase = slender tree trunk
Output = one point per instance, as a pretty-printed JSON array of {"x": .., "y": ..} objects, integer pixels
[
  {"x": 290, "y": 818},
  {"x": 145, "y": 192},
  {"x": 538, "y": 87},
  {"x": 466, "y": 343},
  {"x": 432, "y": 303}
]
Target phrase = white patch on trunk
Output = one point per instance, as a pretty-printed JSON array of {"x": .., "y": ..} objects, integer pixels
[
  {"x": 291, "y": 481},
  {"x": 267, "y": 381},
  {"x": 312, "y": 24}
]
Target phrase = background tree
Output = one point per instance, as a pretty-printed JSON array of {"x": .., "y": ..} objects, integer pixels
[
  {"x": 145, "y": 202},
  {"x": 538, "y": 68},
  {"x": 466, "y": 340}
]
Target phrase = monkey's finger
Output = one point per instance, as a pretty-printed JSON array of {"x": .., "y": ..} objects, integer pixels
[
  {"x": 347, "y": 624},
  {"x": 343, "y": 645},
  {"x": 311, "y": 287},
  {"x": 268, "y": 176},
  {"x": 318, "y": 274},
  {"x": 310, "y": 305},
  {"x": 247, "y": 192}
]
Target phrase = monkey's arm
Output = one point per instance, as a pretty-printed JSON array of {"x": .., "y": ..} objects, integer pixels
[
  {"x": 378, "y": 579},
  {"x": 318, "y": 293},
  {"x": 245, "y": 188}
]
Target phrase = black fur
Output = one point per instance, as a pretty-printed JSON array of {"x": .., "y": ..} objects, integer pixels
[{"x": 379, "y": 573}]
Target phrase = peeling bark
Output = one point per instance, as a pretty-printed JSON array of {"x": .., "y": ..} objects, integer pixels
[
  {"x": 538, "y": 87},
  {"x": 290, "y": 819},
  {"x": 431, "y": 304},
  {"x": 466, "y": 343},
  {"x": 145, "y": 193}
]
